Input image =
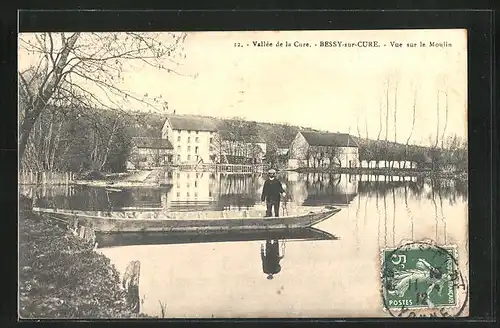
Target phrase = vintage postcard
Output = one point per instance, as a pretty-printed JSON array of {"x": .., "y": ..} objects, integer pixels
[{"x": 256, "y": 174}]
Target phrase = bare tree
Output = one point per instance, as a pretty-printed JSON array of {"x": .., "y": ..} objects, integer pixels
[
  {"x": 357, "y": 127},
  {"x": 366, "y": 128},
  {"x": 64, "y": 64},
  {"x": 415, "y": 91},
  {"x": 445, "y": 119},
  {"x": 380, "y": 120},
  {"x": 395, "y": 111},
  {"x": 101, "y": 146},
  {"x": 395, "y": 117},
  {"x": 386, "y": 121},
  {"x": 437, "y": 121}
]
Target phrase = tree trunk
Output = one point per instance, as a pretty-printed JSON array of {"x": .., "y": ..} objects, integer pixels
[{"x": 44, "y": 94}]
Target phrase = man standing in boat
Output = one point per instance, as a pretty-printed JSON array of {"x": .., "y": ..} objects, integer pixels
[{"x": 271, "y": 193}]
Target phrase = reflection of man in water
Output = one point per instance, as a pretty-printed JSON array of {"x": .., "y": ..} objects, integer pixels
[
  {"x": 271, "y": 193},
  {"x": 270, "y": 258}
]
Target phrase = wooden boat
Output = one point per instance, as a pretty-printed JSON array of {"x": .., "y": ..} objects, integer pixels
[
  {"x": 161, "y": 238},
  {"x": 101, "y": 221}
]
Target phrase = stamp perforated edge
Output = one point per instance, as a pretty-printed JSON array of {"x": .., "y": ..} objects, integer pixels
[{"x": 415, "y": 244}]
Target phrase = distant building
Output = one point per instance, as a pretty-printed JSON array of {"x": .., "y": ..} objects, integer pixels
[
  {"x": 150, "y": 152},
  {"x": 193, "y": 138},
  {"x": 196, "y": 139},
  {"x": 241, "y": 152},
  {"x": 323, "y": 149},
  {"x": 245, "y": 152}
]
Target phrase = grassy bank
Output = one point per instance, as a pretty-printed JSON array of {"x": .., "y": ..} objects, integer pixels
[{"x": 60, "y": 276}]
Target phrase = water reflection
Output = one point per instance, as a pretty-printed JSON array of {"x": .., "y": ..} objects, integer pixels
[
  {"x": 324, "y": 189},
  {"x": 174, "y": 238},
  {"x": 271, "y": 257},
  {"x": 205, "y": 191},
  {"x": 376, "y": 212}
]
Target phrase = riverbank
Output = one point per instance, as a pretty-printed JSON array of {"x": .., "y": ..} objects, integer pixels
[
  {"x": 386, "y": 172},
  {"x": 61, "y": 276}
]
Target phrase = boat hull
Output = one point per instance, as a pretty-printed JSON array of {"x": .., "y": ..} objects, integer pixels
[
  {"x": 110, "y": 224},
  {"x": 107, "y": 240}
]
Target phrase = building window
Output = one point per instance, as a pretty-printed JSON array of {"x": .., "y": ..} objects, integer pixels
[
  {"x": 196, "y": 150},
  {"x": 179, "y": 138},
  {"x": 196, "y": 132},
  {"x": 178, "y": 185},
  {"x": 178, "y": 194},
  {"x": 178, "y": 149},
  {"x": 187, "y": 194},
  {"x": 189, "y": 131},
  {"x": 189, "y": 148},
  {"x": 178, "y": 158},
  {"x": 211, "y": 140},
  {"x": 195, "y": 194},
  {"x": 209, "y": 194},
  {"x": 189, "y": 157},
  {"x": 197, "y": 139},
  {"x": 187, "y": 185},
  {"x": 187, "y": 175},
  {"x": 196, "y": 184},
  {"x": 178, "y": 175},
  {"x": 189, "y": 139}
]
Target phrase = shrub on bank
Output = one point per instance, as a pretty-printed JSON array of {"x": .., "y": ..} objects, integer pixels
[{"x": 60, "y": 276}]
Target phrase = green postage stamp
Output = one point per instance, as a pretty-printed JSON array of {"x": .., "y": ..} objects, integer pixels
[{"x": 420, "y": 275}]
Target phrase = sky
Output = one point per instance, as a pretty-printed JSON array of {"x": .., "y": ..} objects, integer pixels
[{"x": 339, "y": 89}]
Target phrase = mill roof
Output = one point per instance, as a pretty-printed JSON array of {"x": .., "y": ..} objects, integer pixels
[
  {"x": 193, "y": 123},
  {"x": 152, "y": 143},
  {"x": 328, "y": 139}
]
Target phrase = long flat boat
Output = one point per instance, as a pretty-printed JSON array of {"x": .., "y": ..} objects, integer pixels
[
  {"x": 123, "y": 221},
  {"x": 106, "y": 240}
]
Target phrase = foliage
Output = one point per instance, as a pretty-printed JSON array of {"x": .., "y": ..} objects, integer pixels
[
  {"x": 63, "y": 66},
  {"x": 236, "y": 141},
  {"x": 61, "y": 276},
  {"x": 77, "y": 139},
  {"x": 452, "y": 153}
]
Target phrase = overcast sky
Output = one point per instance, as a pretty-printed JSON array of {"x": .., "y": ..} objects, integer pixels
[{"x": 335, "y": 89}]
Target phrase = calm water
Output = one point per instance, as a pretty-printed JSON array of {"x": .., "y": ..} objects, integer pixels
[{"x": 318, "y": 278}]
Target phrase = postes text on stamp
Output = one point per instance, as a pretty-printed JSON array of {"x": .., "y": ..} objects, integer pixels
[{"x": 422, "y": 277}]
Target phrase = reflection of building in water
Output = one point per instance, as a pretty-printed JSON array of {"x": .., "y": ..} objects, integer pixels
[
  {"x": 318, "y": 189},
  {"x": 212, "y": 191},
  {"x": 192, "y": 191}
]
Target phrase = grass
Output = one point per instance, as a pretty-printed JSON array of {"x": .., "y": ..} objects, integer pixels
[{"x": 60, "y": 276}]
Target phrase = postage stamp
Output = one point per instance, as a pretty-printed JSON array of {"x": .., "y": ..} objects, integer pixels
[{"x": 422, "y": 279}]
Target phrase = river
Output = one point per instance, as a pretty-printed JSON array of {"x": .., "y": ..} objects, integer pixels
[{"x": 337, "y": 277}]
